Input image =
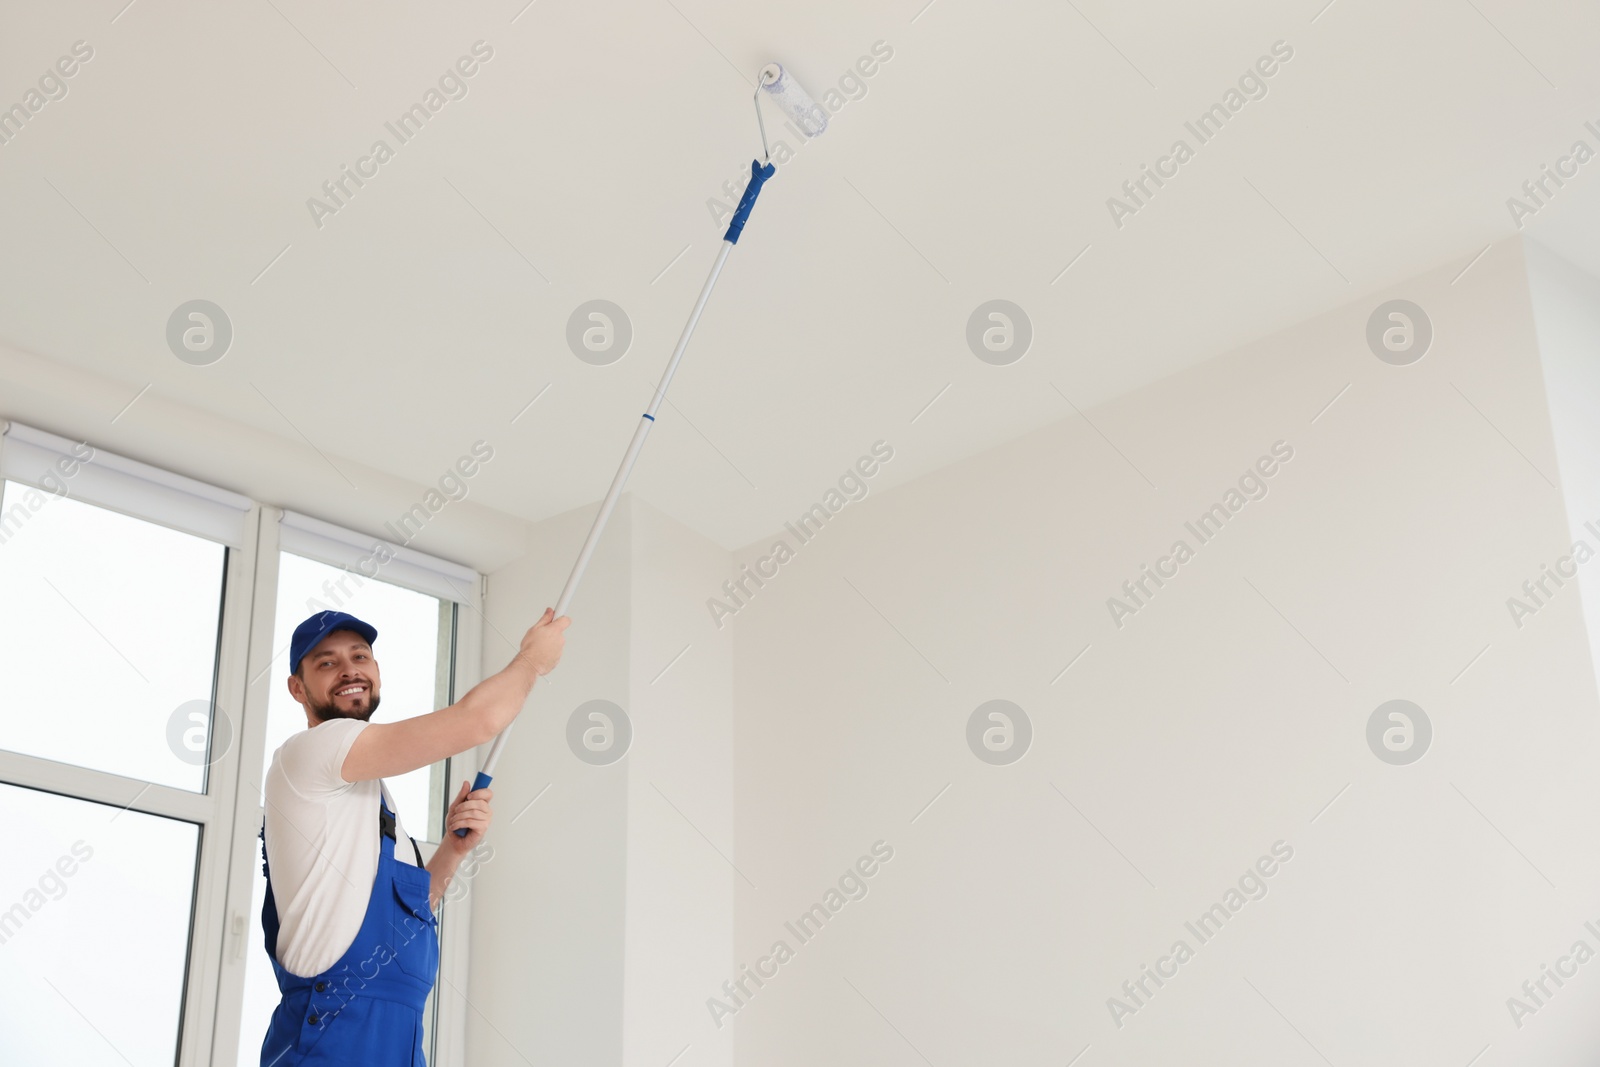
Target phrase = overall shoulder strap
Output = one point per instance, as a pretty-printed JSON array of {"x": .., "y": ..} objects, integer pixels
[
  {"x": 386, "y": 826},
  {"x": 269, "y": 904}
]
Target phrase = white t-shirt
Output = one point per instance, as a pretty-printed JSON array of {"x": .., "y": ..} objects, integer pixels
[{"x": 322, "y": 845}]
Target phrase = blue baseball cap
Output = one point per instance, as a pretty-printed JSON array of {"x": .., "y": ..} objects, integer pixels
[{"x": 309, "y": 633}]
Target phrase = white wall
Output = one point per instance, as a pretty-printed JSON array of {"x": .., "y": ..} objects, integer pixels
[
  {"x": 548, "y": 910},
  {"x": 1226, "y": 717},
  {"x": 279, "y": 469},
  {"x": 681, "y": 887},
  {"x": 1222, "y": 718},
  {"x": 605, "y": 917}
]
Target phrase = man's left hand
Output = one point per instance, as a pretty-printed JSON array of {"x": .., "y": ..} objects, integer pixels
[{"x": 470, "y": 810}]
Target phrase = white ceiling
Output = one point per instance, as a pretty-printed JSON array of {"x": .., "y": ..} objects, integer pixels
[{"x": 432, "y": 308}]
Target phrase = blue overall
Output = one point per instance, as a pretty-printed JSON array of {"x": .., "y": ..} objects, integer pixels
[{"x": 366, "y": 1009}]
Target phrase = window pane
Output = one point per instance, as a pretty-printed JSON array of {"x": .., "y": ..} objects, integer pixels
[
  {"x": 108, "y": 643},
  {"x": 413, "y": 652},
  {"x": 95, "y": 935}
]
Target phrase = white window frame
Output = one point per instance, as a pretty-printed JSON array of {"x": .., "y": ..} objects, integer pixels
[
  {"x": 128, "y": 487},
  {"x": 229, "y": 813}
]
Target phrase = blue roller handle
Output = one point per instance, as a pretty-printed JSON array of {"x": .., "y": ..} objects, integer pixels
[
  {"x": 480, "y": 782},
  {"x": 758, "y": 178}
]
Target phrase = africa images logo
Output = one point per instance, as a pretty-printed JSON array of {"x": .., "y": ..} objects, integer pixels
[
  {"x": 852, "y": 486},
  {"x": 1252, "y": 485}
]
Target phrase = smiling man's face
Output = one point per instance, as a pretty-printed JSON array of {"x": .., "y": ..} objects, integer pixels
[{"x": 338, "y": 679}]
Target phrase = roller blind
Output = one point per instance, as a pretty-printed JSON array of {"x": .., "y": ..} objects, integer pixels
[
  {"x": 377, "y": 557},
  {"x": 76, "y": 469}
]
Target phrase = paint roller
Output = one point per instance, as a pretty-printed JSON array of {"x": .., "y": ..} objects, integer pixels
[
  {"x": 795, "y": 103},
  {"x": 811, "y": 120}
]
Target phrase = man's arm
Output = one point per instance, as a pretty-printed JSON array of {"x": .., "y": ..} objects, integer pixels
[
  {"x": 386, "y": 749},
  {"x": 442, "y": 868}
]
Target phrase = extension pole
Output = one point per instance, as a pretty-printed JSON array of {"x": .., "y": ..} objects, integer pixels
[{"x": 758, "y": 177}]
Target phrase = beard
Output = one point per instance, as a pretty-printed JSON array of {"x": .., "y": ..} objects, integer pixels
[{"x": 330, "y": 711}]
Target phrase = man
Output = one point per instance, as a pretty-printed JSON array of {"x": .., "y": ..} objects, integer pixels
[{"x": 349, "y": 924}]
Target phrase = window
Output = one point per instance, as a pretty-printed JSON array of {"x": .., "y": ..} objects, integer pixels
[
  {"x": 112, "y": 764},
  {"x": 142, "y": 655}
]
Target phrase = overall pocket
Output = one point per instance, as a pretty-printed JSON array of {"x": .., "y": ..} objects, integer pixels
[{"x": 416, "y": 929}]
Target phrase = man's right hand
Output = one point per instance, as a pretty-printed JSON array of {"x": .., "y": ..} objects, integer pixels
[{"x": 544, "y": 642}]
